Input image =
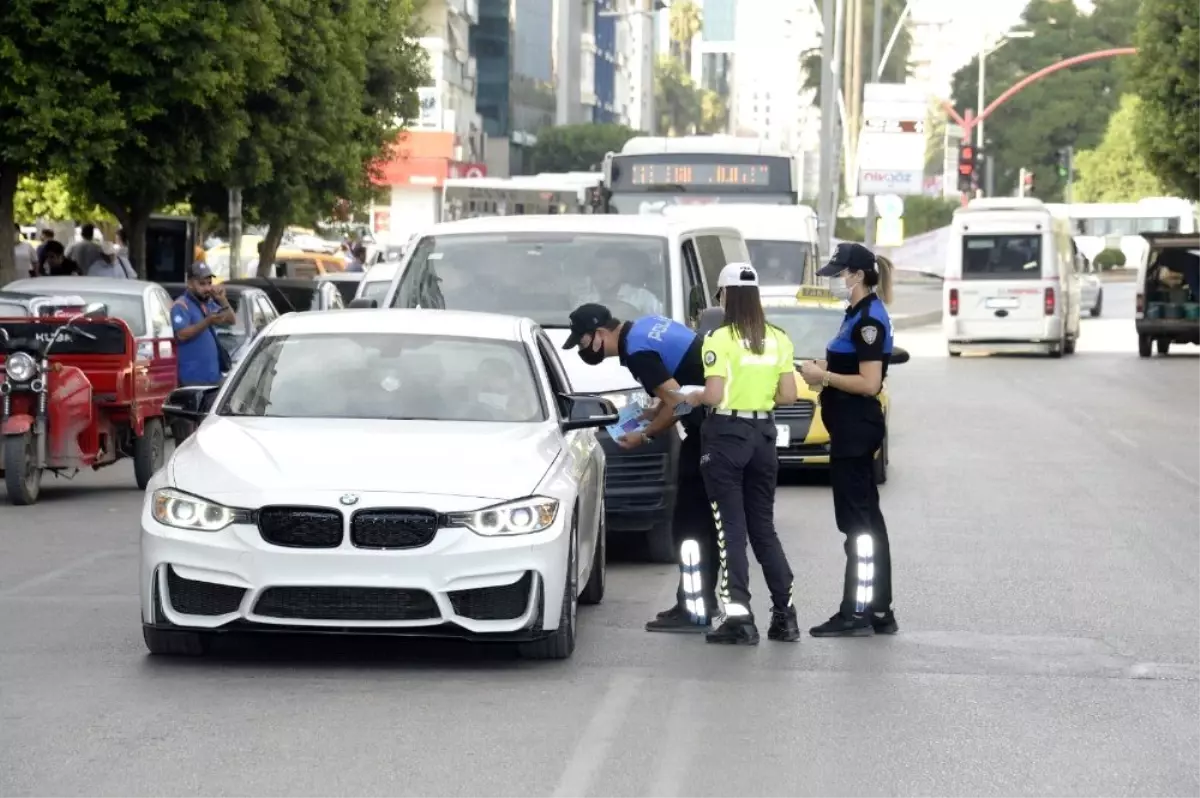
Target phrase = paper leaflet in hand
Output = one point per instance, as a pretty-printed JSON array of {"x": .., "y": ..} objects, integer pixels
[
  {"x": 628, "y": 420},
  {"x": 691, "y": 399}
]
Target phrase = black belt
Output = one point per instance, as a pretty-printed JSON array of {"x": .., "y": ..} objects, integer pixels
[{"x": 764, "y": 415}]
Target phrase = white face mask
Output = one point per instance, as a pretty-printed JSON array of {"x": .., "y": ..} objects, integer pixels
[{"x": 839, "y": 288}]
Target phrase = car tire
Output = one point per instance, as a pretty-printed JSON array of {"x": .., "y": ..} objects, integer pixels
[
  {"x": 1095, "y": 311},
  {"x": 880, "y": 463},
  {"x": 1144, "y": 345},
  {"x": 24, "y": 484},
  {"x": 149, "y": 452},
  {"x": 175, "y": 642},
  {"x": 560, "y": 644},
  {"x": 1163, "y": 346},
  {"x": 593, "y": 591}
]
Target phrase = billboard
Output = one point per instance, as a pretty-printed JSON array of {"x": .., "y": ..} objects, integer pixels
[{"x": 891, "y": 145}]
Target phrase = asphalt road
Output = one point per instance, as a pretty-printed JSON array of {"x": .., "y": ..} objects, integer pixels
[{"x": 1044, "y": 519}]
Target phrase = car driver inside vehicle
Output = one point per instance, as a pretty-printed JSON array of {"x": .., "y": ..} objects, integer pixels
[{"x": 617, "y": 276}]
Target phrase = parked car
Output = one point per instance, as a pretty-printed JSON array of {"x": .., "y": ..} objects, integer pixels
[
  {"x": 289, "y": 508},
  {"x": 298, "y": 295},
  {"x": 346, "y": 283}
]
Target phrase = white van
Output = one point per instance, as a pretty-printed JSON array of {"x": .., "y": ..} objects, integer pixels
[
  {"x": 1012, "y": 279},
  {"x": 543, "y": 267},
  {"x": 782, "y": 239}
]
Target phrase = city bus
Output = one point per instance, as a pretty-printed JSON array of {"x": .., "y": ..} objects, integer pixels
[
  {"x": 1098, "y": 226},
  {"x": 650, "y": 173},
  {"x": 472, "y": 197}
]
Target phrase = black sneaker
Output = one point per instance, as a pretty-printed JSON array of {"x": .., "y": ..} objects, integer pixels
[
  {"x": 885, "y": 623},
  {"x": 739, "y": 631},
  {"x": 784, "y": 626},
  {"x": 841, "y": 626},
  {"x": 676, "y": 620}
]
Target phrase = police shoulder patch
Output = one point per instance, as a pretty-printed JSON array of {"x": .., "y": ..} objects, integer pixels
[
  {"x": 869, "y": 333},
  {"x": 710, "y": 357}
]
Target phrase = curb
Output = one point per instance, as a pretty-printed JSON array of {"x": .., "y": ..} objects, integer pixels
[{"x": 917, "y": 320}]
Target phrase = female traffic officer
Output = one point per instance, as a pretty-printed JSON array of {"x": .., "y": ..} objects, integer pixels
[
  {"x": 851, "y": 376},
  {"x": 748, "y": 370}
]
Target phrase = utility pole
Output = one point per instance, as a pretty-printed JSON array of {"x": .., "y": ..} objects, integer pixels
[
  {"x": 833, "y": 12},
  {"x": 876, "y": 47},
  {"x": 235, "y": 233}
]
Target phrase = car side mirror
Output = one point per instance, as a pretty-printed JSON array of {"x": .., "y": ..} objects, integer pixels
[
  {"x": 95, "y": 309},
  {"x": 898, "y": 356},
  {"x": 588, "y": 412},
  {"x": 364, "y": 303},
  {"x": 191, "y": 403}
]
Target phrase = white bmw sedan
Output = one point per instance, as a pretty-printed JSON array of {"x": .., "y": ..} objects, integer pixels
[{"x": 410, "y": 472}]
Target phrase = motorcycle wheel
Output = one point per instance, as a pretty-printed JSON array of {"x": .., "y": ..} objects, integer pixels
[{"x": 22, "y": 479}]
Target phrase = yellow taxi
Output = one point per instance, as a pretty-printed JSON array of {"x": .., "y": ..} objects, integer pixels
[{"x": 811, "y": 316}]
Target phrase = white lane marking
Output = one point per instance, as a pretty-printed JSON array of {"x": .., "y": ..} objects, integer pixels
[
  {"x": 592, "y": 749},
  {"x": 678, "y": 750},
  {"x": 1177, "y": 471},
  {"x": 50, "y": 576}
]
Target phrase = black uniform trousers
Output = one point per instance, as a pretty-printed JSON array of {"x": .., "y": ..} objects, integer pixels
[
  {"x": 856, "y": 430},
  {"x": 693, "y": 518},
  {"x": 741, "y": 469}
]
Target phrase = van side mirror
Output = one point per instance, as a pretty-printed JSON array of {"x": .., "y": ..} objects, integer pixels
[
  {"x": 587, "y": 412},
  {"x": 191, "y": 403},
  {"x": 364, "y": 303},
  {"x": 898, "y": 356}
]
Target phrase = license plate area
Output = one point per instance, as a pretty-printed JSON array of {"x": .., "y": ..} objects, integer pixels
[
  {"x": 1003, "y": 303},
  {"x": 783, "y": 436}
]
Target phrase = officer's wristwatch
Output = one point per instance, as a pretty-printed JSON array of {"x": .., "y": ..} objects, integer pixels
[{"x": 825, "y": 380}]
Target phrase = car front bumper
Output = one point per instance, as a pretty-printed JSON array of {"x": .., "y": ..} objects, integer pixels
[{"x": 460, "y": 584}]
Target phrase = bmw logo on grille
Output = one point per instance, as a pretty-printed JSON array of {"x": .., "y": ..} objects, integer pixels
[{"x": 349, "y": 499}]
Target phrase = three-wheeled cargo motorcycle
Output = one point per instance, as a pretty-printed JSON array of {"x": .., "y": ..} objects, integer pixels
[{"x": 75, "y": 394}]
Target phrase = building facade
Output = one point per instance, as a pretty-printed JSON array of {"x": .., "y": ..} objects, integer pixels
[{"x": 604, "y": 62}]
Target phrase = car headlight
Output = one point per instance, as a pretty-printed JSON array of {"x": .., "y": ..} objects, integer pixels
[
  {"x": 621, "y": 399},
  {"x": 20, "y": 367},
  {"x": 522, "y": 517},
  {"x": 184, "y": 511}
]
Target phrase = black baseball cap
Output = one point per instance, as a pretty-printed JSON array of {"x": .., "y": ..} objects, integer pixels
[
  {"x": 849, "y": 255},
  {"x": 199, "y": 271},
  {"x": 586, "y": 319}
]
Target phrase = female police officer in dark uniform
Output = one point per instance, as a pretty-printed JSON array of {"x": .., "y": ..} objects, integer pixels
[
  {"x": 851, "y": 378},
  {"x": 748, "y": 370}
]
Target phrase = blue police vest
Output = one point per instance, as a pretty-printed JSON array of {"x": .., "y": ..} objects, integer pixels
[
  {"x": 843, "y": 342},
  {"x": 670, "y": 340}
]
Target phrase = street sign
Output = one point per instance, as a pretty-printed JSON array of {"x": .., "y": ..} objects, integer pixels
[{"x": 891, "y": 146}]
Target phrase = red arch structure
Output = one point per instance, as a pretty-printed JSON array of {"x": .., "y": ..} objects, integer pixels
[{"x": 968, "y": 122}]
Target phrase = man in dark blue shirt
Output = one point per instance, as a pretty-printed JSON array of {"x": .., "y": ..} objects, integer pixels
[
  {"x": 662, "y": 355},
  {"x": 196, "y": 313}
]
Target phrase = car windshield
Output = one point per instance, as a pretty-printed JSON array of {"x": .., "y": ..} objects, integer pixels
[
  {"x": 780, "y": 262},
  {"x": 543, "y": 276},
  {"x": 1002, "y": 257},
  {"x": 9, "y": 310},
  {"x": 387, "y": 376},
  {"x": 810, "y": 328},
  {"x": 376, "y": 289}
]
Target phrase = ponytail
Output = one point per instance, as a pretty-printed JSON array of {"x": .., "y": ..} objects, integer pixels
[{"x": 882, "y": 281}]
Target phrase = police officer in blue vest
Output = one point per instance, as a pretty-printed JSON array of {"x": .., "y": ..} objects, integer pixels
[
  {"x": 662, "y": 355},
  {"x": 850, "y": 378}
]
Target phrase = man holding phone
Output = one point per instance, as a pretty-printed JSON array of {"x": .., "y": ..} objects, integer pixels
[{"x": 194, "y": 317}]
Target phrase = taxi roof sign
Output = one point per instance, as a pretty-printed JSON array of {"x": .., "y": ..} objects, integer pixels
[{"x": 814, "y": 292}]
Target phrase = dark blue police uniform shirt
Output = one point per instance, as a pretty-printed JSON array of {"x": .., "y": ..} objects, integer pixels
[
  {"x": 199, "y": 363},
  {"x": 856, "y": 424},
  {"x": 656, "y": 349}
]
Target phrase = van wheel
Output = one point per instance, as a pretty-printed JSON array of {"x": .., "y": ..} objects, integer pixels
[
  {"x": 149, "y": 452},
  {"x": 1163, "y": 346},
  {"x": 1144, "y": 345}
]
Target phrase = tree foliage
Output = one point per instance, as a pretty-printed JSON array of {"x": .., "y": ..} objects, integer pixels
[
  {"x": 49, "y": 197},
  {"x": 1116, "y": 171},
  {"x": 896, "y": 68},
  {"x": 1165, "y": 77},
  {"x": 578, "y": 148},
  {"x": 685, "y": 22},
  {"x": 683, "y": 107},
  {"x": 1067, "y": 108}
]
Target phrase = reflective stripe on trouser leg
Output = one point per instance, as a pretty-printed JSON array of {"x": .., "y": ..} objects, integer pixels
[
  {"x": 728, "y": 606},
  {"x": 864, "y": 548},
  {"x": 692, "y": 581}
]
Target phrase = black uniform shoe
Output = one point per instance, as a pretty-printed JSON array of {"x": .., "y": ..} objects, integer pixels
[
  {"x": 784, "y": 626},
  {"x": 841, "y": 626},
  {"x": 885, "y": 623},
  {"x": 676, "y": 620},
  {"x": 739, "y": 631}
]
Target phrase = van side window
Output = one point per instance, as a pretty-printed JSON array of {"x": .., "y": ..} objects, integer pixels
[
  {"x": 693, "y": 284},
  {"x": 735, "y": 249},
  {"x": 712, "y": 258}
]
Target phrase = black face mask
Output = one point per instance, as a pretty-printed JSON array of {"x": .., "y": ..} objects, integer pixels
[{"x": 593, "y": 357}]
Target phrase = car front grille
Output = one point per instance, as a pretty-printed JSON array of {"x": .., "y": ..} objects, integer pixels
[
  {"x": 800, "y": 411},
  {"x": 192, "y": 597},
  {"x": 635, "y": 470},
  {"x": 502, "y": 603},
  {"x": 347, "y": 604},
  {"x": 301, "y": 527},
  {"x": 393, "y": 528}
]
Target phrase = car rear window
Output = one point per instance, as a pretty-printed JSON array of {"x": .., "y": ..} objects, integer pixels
[{"x": 1002, "y": 257}]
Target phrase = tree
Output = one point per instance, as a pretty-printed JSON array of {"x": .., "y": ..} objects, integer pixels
[
  {"x": 348, "y": 72},
  {"x": 896, "y": 68},
  {"x": 1116, "y": 171},
  {"x": 685, "y": 22},
  {"x": 181, "y": 70},
  {"x": 55, "y": 107},
  {"x": 676, "y": 98},
  {"x": 1068, "y": 108},
  {"x": 49, "y": 197},
  {"x": 714, "y": 113},
  {"x": 1164, "y": 75},
  {"x": 578, "y": 148}
]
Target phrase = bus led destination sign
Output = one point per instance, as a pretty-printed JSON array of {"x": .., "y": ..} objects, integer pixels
[{"x": 699, "y": 174}]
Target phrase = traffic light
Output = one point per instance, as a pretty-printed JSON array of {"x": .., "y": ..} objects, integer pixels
[
  {"x": 1064, "y": 162},
  {"x": 966, "y": 167}
]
